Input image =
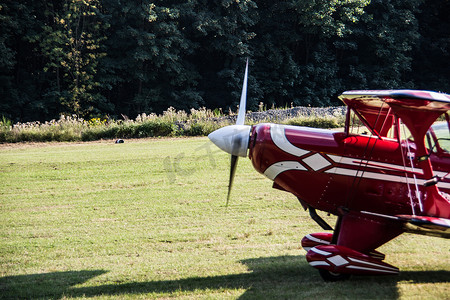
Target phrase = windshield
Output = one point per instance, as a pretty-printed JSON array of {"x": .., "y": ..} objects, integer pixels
[{"x": 438, "y": 138}]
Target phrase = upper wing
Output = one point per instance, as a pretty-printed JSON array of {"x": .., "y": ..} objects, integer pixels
[
  {"x": 412, "y": 98},
  {"x": 374, "y": 107}
]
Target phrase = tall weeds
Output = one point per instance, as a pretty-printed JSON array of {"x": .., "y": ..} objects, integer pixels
[{"x": 169, "y": 124}]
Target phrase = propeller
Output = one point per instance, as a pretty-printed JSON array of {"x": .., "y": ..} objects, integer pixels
[
  {"x": 234, "y": 139},
  {"x": 242, "y": 104}
]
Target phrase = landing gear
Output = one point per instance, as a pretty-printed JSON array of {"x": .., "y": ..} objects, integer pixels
[
  {"x": 332, "y": 277},
  {"x": 316, "y": 239},
  {"x": 336, "y": 262}
]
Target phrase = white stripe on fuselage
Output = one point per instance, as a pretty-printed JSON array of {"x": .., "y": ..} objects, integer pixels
[
  {"x": 278, "y": 135},
  {"x": 277, "y": 168},
  {"x": 372, "y": 164},
  {"x": 274, "y": 170}
]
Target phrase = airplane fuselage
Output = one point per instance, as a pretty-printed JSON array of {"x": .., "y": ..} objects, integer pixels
[
  {"x": 378, "y": 187},
  {"x": 329, "y": 170}
]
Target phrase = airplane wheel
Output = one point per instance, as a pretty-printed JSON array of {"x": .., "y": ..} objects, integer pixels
[{"x": 330, "y": 276}]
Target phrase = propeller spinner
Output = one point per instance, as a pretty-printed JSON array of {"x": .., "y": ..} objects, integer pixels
[{"x": 234, "y": 139}]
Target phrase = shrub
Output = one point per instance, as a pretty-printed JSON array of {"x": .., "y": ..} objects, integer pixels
[
  {"x": 154, "y": 129},
  {"x": 317, "y": 122},
  {"x": 171, "y": 123},
  {"x": 195, "y": 129},
  {"x": 5, "y": 130}
]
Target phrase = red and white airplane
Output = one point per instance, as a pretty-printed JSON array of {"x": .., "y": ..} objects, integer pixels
[{"x": 382, "y": 183}]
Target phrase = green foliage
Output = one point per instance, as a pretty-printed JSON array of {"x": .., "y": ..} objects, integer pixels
[
  {"x": 5, "y": 129},
  {"x": 383, "y": 43},
  {"x": 72, "y": 45},
  {"x": 431, "y": 54},
  {"x": 317, "y": 122},
  {"x": 115, "y": 57},
  {"x": 200, "y": 128},
  {"x": 5, "y": 123}
]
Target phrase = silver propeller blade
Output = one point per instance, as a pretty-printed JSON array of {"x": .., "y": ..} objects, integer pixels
[
  {"x": 234, "y": 161},
  {"x": 234, "y": 139},
  {"x": 242, "y": 104}
]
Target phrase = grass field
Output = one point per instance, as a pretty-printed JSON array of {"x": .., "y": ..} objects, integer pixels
[{"x": 147, "y": 219}]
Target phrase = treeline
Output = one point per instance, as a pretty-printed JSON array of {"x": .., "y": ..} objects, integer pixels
[{"x": 111, "y": 57}]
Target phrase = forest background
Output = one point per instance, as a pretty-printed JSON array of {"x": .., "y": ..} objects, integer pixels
[{"x": 97, "y": 58}]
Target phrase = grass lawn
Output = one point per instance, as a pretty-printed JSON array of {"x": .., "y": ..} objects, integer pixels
[{"x": 147, "y": 219}]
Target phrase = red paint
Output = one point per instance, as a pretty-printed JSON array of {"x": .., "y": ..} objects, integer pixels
[{"x": 348, "y": 175}]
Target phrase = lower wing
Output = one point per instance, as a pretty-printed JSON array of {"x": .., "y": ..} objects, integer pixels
[{"x": 424, "y": 225}]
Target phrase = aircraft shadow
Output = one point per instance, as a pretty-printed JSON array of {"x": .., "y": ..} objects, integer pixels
[{"x": 288, "y": 277}]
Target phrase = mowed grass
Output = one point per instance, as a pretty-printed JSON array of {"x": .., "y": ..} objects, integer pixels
[{"x": 147, "y": 219}]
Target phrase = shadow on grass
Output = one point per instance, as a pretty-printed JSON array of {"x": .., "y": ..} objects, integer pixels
[{"x": 287, "y": 277}]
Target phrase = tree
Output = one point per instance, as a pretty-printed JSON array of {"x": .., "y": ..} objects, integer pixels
[
  {"x": 296, "y": 43},
  {"x": 22, "y": 82},
  {"x": 431, "y": 55},
  {"x": 381, "y": 57},
  {"x": 221, "y": 33},
  {"x": 114, "y": 57},
  {"x": 146, "y": 67},
  {"x": 9, "y": 25},
  {"x": 71, "y": 42}
]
